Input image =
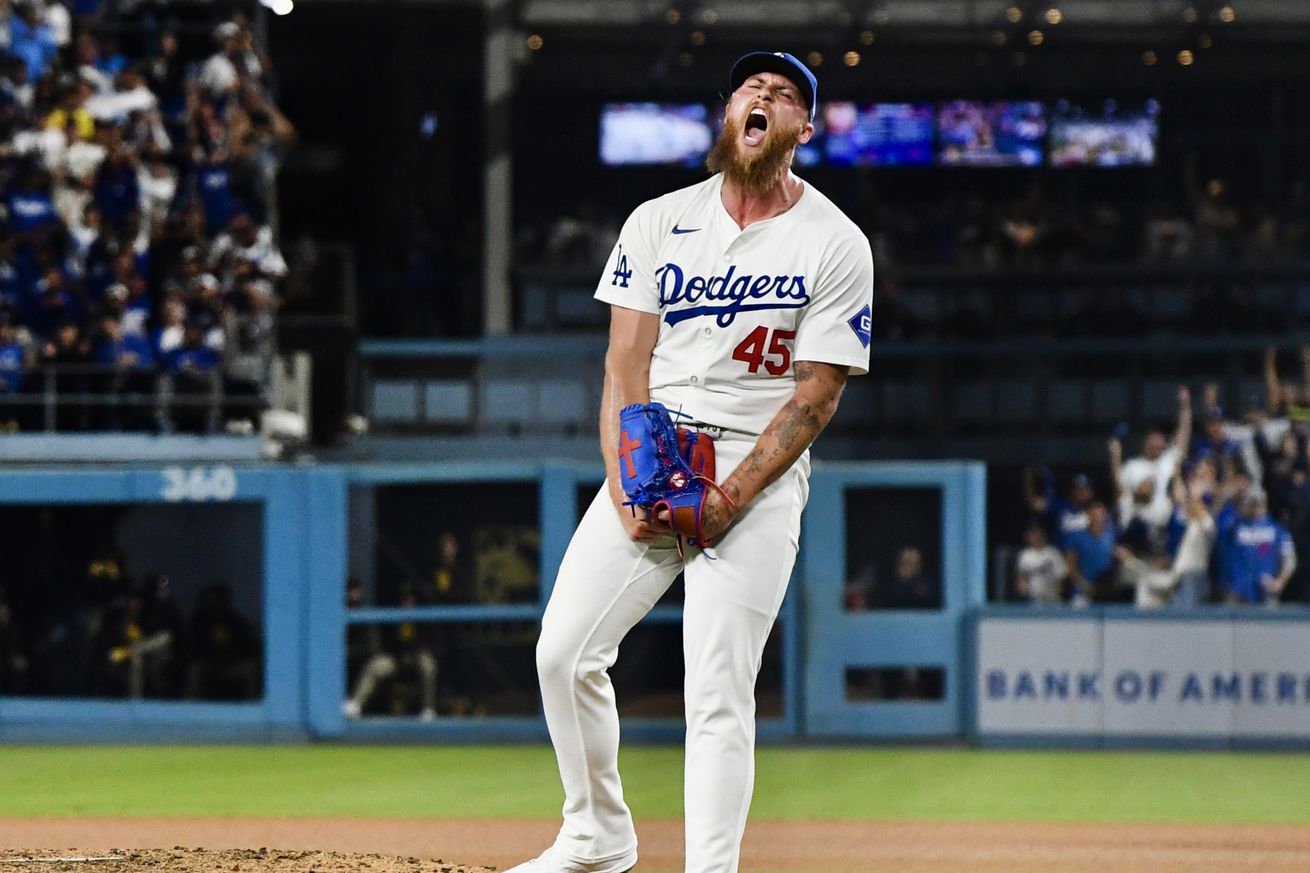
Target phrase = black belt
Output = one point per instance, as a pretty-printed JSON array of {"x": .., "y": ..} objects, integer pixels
[{"x": 714, "y": 430}]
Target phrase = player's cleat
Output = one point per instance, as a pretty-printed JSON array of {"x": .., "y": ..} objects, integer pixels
[{"x": 550, "y": 861}]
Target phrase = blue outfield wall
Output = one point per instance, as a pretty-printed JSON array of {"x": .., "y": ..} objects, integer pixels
[
  {"x": 1014, "y": 676},
  {"x": 303, "y": 513},
  {"x": 304, "y": 519}
]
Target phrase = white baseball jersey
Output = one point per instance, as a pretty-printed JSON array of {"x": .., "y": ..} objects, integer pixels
[{"x": 738, "y": 307}]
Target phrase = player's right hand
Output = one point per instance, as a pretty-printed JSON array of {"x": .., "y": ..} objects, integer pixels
[
  {"x": 637, "y": 523},
  {"x": 641, "y": 528}
]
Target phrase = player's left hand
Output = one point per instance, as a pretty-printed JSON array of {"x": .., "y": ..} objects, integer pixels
[{"x": 716, "y": 515}]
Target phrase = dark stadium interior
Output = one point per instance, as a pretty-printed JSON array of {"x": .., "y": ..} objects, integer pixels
[
  {"x": 331, "y": 200},
  {"x": 1240, "y": 115}
]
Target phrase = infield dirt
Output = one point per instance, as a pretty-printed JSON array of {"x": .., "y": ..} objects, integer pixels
[{"x": 414, "y": 845}]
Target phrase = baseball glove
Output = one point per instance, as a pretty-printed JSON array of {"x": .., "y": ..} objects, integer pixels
[{"x": 665, "y": 468}]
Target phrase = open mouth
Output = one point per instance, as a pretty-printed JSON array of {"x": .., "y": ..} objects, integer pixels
[{"x": 756, "y": 124}]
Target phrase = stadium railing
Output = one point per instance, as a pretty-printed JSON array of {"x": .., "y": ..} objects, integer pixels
[{"x": 40, "y": 404}]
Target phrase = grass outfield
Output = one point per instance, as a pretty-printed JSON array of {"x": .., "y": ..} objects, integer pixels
[{"x": 477, "y": 782}]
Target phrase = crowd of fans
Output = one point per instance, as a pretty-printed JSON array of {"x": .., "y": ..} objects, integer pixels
[
  {"x": 138, "y": 270},
  {"x": 1216, "y": 512}
]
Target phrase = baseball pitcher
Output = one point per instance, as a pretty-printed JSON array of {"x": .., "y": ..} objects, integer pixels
[{"x": 739, "y": 306}]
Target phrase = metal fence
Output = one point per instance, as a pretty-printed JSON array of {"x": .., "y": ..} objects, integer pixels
[{"x": 58, "y": 397}]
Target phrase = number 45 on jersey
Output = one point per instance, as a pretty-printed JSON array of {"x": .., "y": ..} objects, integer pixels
[{"x": 752, "y": 350}]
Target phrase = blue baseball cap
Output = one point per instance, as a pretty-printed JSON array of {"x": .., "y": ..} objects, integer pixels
[{"x": 783, "y": 64}]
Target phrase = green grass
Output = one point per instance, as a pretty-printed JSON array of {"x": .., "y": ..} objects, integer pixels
[{"x": 475, "y": 781}]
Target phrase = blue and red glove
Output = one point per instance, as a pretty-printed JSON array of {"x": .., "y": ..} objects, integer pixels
[{"x": 666, "y": 469}]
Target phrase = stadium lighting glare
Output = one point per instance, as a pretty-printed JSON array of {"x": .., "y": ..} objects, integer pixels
[
  {"x": 1036, "y": 37},
  {"x": 535, "y": 42},
  {"x": 685, "y": 59},
  {"x": 1204, "y": 41},
  {"x": 1054, "y": 16},
  {"x": 1014, "y": 14},
  {"x": 999, "y": 37},
  {"x": 1150, "y": 58},
  {"x": 851, "y": 59},
  {"x": 866, "y": 37},
  {"x": 1190, "y": 15},
  {"x": 697, "y": 37},
  {"x": 672, "y": 16},
  {"x": 1186, "y": 58},
  {"x": 814, "y": 59},
  {"x": 279, "y": 7},
  {"x": 1227, "y": 15}
]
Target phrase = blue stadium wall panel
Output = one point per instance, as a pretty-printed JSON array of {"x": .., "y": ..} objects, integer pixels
[
  {"x": 303, "y": 512},
  {"x": 304, "y": 515}
]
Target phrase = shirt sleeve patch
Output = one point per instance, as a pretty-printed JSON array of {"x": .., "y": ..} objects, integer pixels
[{"x": 862, "y": 323}]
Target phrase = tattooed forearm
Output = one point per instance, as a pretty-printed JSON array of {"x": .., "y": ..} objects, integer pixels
[
  {"x": 803, "y": 371},
  {"x": 790, "y": 434},
  {"x": 806, "y": 414},
  {"x": 798, "y": 425}
]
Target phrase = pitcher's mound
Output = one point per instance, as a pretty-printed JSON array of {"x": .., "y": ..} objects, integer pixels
[{"x": 180, "y": 860}]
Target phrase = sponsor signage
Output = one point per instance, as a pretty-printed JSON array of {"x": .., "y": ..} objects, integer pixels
[{"x": 1137, "y": 677}]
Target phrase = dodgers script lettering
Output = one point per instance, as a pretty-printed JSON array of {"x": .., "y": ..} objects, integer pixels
[{"x": 731, "y": 294}]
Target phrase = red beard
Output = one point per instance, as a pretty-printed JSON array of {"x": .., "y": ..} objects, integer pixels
[{"x": 758, "y": 172}]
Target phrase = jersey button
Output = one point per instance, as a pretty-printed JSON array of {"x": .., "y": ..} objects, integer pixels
[
  {"x": 727, "y": 257},
  {"x": 695, "y": 380},
  {"x": 709, "y": 331}
]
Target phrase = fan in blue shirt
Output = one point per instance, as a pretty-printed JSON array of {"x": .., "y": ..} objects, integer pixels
[
  {"x": 31, "y": 208},
  {"x": 214, "y": 184},
  {"x": 13, "y": 357},
  {"x": 1061, "y": 517},
  {"x": 117, "y": 191},
  {"x": 122, "y": 350},
  {"x": 32, "y": 40},
  {"x": 1090, "y": 555},
  {"x": 193, "y": 356},
  {"x": 1260, "y": 555},
  {"x": 51, "y": 304}
]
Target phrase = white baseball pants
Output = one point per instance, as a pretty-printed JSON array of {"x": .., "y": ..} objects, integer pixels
[{"x": 606, "y": 584}]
